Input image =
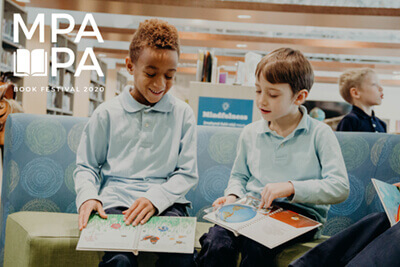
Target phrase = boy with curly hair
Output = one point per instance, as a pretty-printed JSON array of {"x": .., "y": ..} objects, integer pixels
[
  {"x": 361, "y": 88},
  {"x": 137, "y": 154}
]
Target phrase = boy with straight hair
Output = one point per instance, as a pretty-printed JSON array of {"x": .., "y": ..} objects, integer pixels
[
  {"x": 287, "y": 158},
  {"x": 361, "y": 88},
  {"x": 137, "y": 154}
]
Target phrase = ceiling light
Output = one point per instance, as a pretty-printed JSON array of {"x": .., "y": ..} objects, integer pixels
[
  {"x": 102, "y": 55},
  {"x": 244, "y": 16},
  {"x": 241, "y": 45}
]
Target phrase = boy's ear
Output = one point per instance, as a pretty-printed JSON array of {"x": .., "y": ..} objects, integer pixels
[
  {"x": 129, "y": 65},
  {"x": 354, "y": 93},
  {"x": 301, "y": 97}
]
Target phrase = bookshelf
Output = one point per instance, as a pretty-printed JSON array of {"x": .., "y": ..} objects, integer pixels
[
  {"x": 60, "y": 97},
  {"x": 8, "y": 46},
  {"x": 97, "y": 87},
  {"x": 122, "y": 81}
]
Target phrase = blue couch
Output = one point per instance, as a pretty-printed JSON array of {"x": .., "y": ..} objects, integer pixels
[{"x": 39, "y": 160}]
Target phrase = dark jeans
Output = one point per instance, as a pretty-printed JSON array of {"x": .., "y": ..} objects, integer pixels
[
  {"x": 220, "y": 247},
  {"x": 128, "y": 259},
  {"x": 369, "y": 242}
]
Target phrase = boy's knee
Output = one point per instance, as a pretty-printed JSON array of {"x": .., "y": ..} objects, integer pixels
[
  {"x": 118, "y": 260},
  {"x": 217, "y": 240}
]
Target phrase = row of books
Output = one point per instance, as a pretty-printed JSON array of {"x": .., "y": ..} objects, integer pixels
[
  {"x": 52, "y": 101},
  {"x": 8, "y": 29},
  {"x": 55, "y": 80},
  {"x": 206, "y": 66},
  {"x": 6, "y": 59},
  {"x": 95, "y": 77}
]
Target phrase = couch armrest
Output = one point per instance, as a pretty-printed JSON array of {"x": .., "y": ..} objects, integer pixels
[{"x": 45, "y": 239}]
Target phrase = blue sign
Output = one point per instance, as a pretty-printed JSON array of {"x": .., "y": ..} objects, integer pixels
[{"x": 224, "y": 112}]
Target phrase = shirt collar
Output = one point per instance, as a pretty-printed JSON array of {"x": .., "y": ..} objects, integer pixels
[
  {"x": 130, "y": 104},
  {"x": 362, "y": 113},
  {"x": 303, "y": 124}
]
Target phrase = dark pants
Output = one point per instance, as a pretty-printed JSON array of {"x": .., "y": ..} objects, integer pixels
[
  {"x": 220, "y": 248},
  {"x": 369, "y": 242},
  {"x": 128, "y": 259}
]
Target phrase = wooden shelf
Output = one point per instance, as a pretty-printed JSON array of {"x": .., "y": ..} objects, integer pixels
[
  {"x": 11, "y": 44},
  {"x": 98, "y": 82},
  {"x": 15, "y": 6}
]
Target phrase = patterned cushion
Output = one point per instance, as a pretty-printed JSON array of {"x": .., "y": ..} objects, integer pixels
[{"x": 40, "y": 153}]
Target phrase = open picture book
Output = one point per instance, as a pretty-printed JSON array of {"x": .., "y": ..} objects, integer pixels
[
  {"x": 159, "y": 234},
  {"x": 270, "y": 227},
  {"x": 390, "y": 197}
]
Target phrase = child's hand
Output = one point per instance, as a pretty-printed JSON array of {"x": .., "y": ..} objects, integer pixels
[
  {"x": 397, "y": 184},
  {"x": 86, "y": 209},
  {"x": 273, "y": 191},
  {"x": 142, "y": 209},
  {"x": 224, "y": 200}
]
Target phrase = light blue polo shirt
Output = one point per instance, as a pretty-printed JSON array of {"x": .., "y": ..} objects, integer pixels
[
  {"x": 129, "y": 150},
  {"x": 310, "y": 157}
]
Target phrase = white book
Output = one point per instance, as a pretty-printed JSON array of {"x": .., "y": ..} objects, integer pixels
[
  {"x": 30, "y": 63},
  {"x": 159, "y": 234},
  {"x": 269, "y": 227}
]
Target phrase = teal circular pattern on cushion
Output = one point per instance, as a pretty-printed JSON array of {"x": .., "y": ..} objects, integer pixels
[
  {"x": 370, "y": 193},
  {"x": 13, "y": 141},
  {"x": 41, "y": 205},
  {"x": 71, "y": 208},
  {"x": 69, "y": 177},
  {"x": 12, "y": 175},
  {"x": 380, "y": 151},
  {"x": 42, "y": 177},
  {"x": 213, "y": 182},
  {"x": 45, "y": 136},
  {"x": 355, "y": 151},
  {"x": 202, "y": 141},
  {"x": 395, "y": 159},
  {"x": 353, "y": 202},
  {"x": 74, "y": 136},
  {"x": 222, "y": 147},
  {"x": 336, "y": 224}
]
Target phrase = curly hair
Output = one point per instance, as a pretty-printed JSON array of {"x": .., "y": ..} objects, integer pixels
[
  {"x": 153, "y": 33},
  {"x": 350, "y": 79},
  {"x": 286, "y": 65}
]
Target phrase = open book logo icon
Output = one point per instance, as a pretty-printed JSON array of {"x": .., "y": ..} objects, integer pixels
[{"x": 30, "y": 63}]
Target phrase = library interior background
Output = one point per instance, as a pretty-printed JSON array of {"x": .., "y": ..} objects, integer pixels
[{"x": 221, "y": 43}]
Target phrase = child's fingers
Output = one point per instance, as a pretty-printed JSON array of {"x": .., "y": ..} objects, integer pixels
[
  {"x": 80, "y": 221},
  {"x": 269, "y": 202},
  {"x": 133, "y": 214},
  {"x": 131, "y": 208},
  {"x": 218, "y": 202},
  {"x": 101, "y": 211},
  {"x": 141, "y": 215},
  {"x": 261, "y": 204},
  {"x": 85, "y": 219},
  {"x": 148, "y": 216}
]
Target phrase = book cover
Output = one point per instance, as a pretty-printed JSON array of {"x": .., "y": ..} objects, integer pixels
[
  {"x": 159, "y": 234},
  {"x": 390, "y": 197}
]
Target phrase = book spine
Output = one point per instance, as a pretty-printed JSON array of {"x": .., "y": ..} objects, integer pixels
[{"x": 137, "y": 239}]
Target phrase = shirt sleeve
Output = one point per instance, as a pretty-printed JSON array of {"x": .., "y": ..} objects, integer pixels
[
  {"x": 90, "y": 156},
  {"x": 240, "y": 173},
  {"x": 333, "y": 187},
  {"x": 185, "y": 175},
  {"x": 346, "y": 125}
]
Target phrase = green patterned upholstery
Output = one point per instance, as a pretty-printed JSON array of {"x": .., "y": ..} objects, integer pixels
[{"x": 39, "y": 159}]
